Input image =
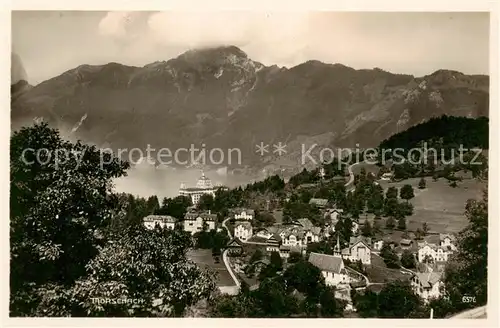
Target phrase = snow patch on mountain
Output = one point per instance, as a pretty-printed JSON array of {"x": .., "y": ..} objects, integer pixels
[{"x": 79, "y": 123}]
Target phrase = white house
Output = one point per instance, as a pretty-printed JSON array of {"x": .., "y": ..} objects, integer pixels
[
  {"x": 243, "y": 214},
  {"x": 387, "y": 176},
  {"x": 427, "y": 285},
  {"x": 195, "y": 221},
  {"x": 334, "y": 215},
  {"x": 447, "y": 241},
  {"x": 303, "y": 233},
  {"x": 332, "y": 268},
  {"x": 377, "y": 245},
  {"x": 167, "y": 221},
  {"x": 243, "y": 230},
  {"x": 428, "y": 252},
  {"x": 358, "y": 250},
  {"x": 355, "y": 227},
  {"x": 264, "y": 233}
]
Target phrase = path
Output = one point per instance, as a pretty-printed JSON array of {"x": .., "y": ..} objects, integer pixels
[
  {"x": 351, "y": 174},
  {"x": 226, "y": 261}
]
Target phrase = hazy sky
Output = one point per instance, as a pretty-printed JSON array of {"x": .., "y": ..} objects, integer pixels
[{"x": 49, "y": 43}]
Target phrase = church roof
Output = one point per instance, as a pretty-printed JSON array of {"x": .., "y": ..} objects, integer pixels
[{"x": 326, "y": 262}]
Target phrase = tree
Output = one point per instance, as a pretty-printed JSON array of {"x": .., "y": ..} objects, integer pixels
[
  {"x": 422, "y": 184},
  {"x": 276, "y": 261},
  {"x": 366, "y": 304},
  {"x": 425, "y": 228},
  {"x": 304, "y": 277},
  {"x": 256, "y": 256},
  {"x": 377, "y": 227},
  {"x": 392, "y": 192},
  {"x": 323, "y": 247},
  {"x": 151, "y": 266},
  {"x": 402, "y": 224},
  {"x": 176, "y": 207},
  {"x": 273, "y": 300},
  {"x": 419, "y": 234},
  {"x": 206, "y": 202},
  {"x": 153, "y": 205},
  {"x": 330, "y": 307},
  {"x": 60, "y": 208},
  {"x": 390, "y": 224},
  {"x": 390, "y": 258},
  {"x": 367, "y": 229},
  {"x": 407, "y": 192},
  {"x": 391, "y": 206},
  {"x": 294, "y": 257},
  {"x": 397, "y": 300},
  {"x": 375, "y": 202},
  {"x": 404, "y": 209},
  {"x": 467, "y": 272},
  {"x": 264, "y": 219},
  {"x": 344, "y": 228},
  {"x": 408, "y": 260}
]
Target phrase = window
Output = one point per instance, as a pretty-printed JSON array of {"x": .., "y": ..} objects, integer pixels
[{"x": 190, "y": 224}]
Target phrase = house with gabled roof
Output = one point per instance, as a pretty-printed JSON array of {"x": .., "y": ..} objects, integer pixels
[
  {"x": 427, "y": 285},
  {"x": 447, "y": 240},
  {"x": 301, "y": 233},
  {"x": 195, "y": 221},
  {"x": 431, "y": 253},
  {"x": 332, "y": 268},
  {"x": 273, "y": 243},
  {"x": 235, "y": 247},
  {"x": 359, "y": 250},
  {"x": 242, "y": 214},
  {"x": 163, "y": 221},
  {"x": 243, "y": 230}
]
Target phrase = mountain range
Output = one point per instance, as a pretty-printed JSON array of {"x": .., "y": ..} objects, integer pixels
[{"x": 219, "y": 97}]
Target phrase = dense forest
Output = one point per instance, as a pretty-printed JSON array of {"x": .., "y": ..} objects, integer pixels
[{"x": 448, "y": 131}]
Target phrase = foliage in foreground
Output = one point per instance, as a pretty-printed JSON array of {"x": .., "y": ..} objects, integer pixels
[{"x": 63, "y": 256}]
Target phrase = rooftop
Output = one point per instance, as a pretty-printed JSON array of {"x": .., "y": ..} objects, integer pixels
[
  {"x": 244, "y": 224},
  {"x": 241, "y": 210},
  {"x": 326, "y": 262},
  {"x": 365, "y": 240},
  {"x": 162, "y": 218},
  {"x": 193, "y": 215},
  {"x": 428, "y": 279},
  {"x": 318, "y": 201}
]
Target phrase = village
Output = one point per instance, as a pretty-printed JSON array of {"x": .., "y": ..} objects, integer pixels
[{"x": 361, "y": 263}]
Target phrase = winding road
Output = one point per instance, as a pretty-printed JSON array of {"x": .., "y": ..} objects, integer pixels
[
  {"x": 351, "y": 175},
  {"x": 225, "y": 256},
  {"x": 226, "y": 262}
]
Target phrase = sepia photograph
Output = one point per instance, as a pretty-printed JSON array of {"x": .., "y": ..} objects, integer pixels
[{"x": 249, "y": 164}]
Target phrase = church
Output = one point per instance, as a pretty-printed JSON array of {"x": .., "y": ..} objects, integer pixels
[{"x": 203, "y": 187}]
